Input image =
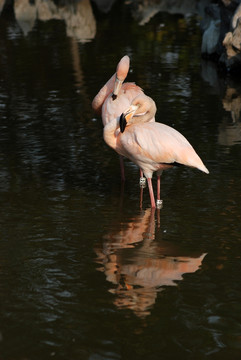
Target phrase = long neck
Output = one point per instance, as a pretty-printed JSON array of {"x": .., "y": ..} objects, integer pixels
[
  {"x": 110, "y": 132},
  {"x": 143, "y": 118},
  {"x": 103, "y": 94},
  {"x": 146, "y": 111}
]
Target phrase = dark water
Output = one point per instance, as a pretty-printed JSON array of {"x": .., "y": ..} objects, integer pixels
[{"x": 84, "y": 273}]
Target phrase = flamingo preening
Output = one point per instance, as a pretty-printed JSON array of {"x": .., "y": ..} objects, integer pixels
[
  {"x": 114, "y": 97},
  {"x": 152, "y": 146}
]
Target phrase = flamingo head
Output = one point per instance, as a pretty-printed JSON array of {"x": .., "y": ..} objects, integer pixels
[
  {"x": 121, "y": 73},
  {"x": 141, "y": 110},
  {"x": 126, "y": 117}
]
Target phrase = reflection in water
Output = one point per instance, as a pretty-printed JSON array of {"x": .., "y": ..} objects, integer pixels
[
  {"x": 232, "y": 102},
  {"x": 229, "y": 134},
  {"x": 2, "y": 2},
  {"x": 229, "y": 131},
  {"x": 144, "y": 11},
  {"x": 139, "y": 265},
  {"x": 55, "y": 201},
  {"x": 78, "y": 16},
  {"x": 104, "y": 5}
]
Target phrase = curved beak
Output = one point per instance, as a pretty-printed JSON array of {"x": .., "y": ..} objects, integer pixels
[
  {"x": 126, "y": 116},
  {"x": 117, "y": 87},
  {"x": 122, "y": 122}
]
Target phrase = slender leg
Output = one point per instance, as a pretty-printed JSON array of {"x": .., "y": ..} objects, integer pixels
[
  {"x": 159, "y": 202},
  {"x": 122, "y": 168},
  {"x": 153, "y": 205},
  {"x": 158, "y": 218},
  {"x": 158, "y": 187}
]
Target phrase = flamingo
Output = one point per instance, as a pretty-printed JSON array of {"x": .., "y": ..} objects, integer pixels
[
  {"x": 114, "y": 97},
  {"x": 152, "y": 146}
]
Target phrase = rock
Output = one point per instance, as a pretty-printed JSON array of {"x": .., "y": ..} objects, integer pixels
[
  {"x": 79, "y": 18},
  {"x": 221, "y": 39},
  {"x": 210, "y": 38},
  {"x": 2, "y": 2},
  {"x": 231, "y": 58},
  {"x": 144, "y": 10},
  {"x": 25, "y": 14}
]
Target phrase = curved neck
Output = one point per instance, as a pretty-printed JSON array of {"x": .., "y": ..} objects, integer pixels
[
  {"x": 103, "y": 94},
  {"x": 146, "y": 111},
  {"x": 110, "y": 132},
  {"x": 143, "y": 118}
]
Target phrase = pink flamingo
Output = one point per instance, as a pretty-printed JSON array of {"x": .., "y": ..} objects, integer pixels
[
  {"x": 150, "y": 145},
  {"x": 114, "y": 97}
]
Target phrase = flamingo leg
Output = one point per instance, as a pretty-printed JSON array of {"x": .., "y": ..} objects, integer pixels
[
  {"x": 158, "y": 187},
  {"x": 158, "y": 218},
  {"x": 153, "y": 204},
  {"x": 122, "y": 169},
  {"x": 141, "y": 197},
  {"x": 159, "y": 202}
]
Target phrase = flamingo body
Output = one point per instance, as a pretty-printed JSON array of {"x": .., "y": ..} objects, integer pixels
[
  {"x": 114, "y": 97},
  {"x": 114, "y": 108},
  {"x": 150, "y": 145},
  {"x": 154, "y": 146}
]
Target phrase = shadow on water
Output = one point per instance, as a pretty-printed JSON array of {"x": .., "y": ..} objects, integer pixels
[{"x": 139, "y": 264}]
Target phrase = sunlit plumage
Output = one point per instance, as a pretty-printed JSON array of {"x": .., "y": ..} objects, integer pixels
[
  {"x": 115, "y": 96},
  {"x": 152, "y": 146}
]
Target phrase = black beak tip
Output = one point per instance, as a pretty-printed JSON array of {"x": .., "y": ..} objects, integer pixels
[
  {"x": 114, "y": 96},
  {"x": 122, "y": 123}
]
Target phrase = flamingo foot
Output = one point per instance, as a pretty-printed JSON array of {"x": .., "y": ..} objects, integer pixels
[
  {"x": 142, "y": 182},
  {"x": 159, "y": 204}
]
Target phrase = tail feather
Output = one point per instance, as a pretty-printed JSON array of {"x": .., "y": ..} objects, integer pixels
[
  {"x": 191, "y": 158},
  {"x": 203, "y": 168}
]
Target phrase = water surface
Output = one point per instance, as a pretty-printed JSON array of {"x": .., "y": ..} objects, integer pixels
[{"x": 84, "y": 272}]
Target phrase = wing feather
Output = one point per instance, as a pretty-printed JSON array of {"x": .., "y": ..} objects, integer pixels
[{"x": 160, "y": 144}]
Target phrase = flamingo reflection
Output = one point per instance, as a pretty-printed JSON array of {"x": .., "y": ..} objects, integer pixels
[{"x": 139, "y": 266}]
